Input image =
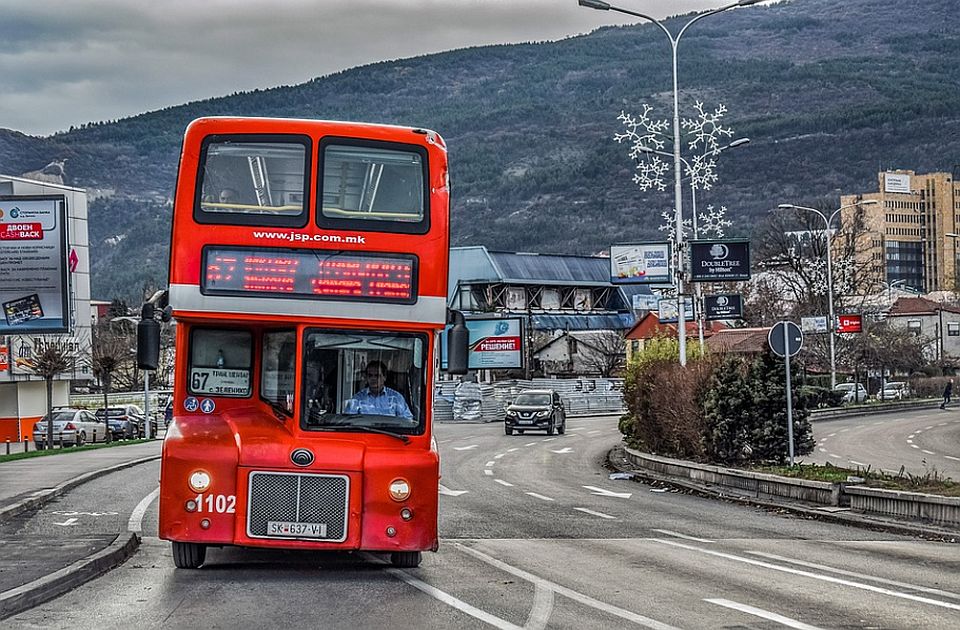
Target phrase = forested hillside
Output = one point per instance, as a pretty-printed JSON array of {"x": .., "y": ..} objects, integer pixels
[{"x": 829, "y": 93}]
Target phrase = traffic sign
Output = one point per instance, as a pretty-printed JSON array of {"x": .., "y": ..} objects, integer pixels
[{"x": 785, "y": 346}]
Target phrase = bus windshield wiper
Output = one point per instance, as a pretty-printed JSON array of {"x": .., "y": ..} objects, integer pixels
[{"x": 347, "y": 427}]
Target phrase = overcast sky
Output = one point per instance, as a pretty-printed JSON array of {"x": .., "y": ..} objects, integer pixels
[{"x": 67, "y": 63}]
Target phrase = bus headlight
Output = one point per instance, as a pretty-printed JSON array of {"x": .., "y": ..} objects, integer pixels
[
  {"x": 399, "y": 489},
  {"x": 199, "y": 480}
]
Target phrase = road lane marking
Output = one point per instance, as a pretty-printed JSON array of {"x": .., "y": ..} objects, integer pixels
[
  {"x": 68, "y": 522},
  {"x": 534, "y": 443},
  {"x": 542, "y": 607},
  {"x": 823, "y": 578},
  {"x": 135, "y": 523},
  {"x": 909, "y": 437},
  {"x": 562, "y": 451},
  {"x": 952, "y": 457},
  {"x": 504, "y": 483},
  {"x": 914, "y": 446},
  {"x": 679, "y": 535},
  {"x": 539, "y": 496},
  {"x": 490, "y": 463},
  {"x": 822, "y": 567},
  {"x": 488, "y": 472},
  {"x": 908, "y": 441},
  {"x": 499, "y": 455},
  {"x": 832, "y": 434},
  {"x": 465, "y": 448},
  {"x": 928, "y": 428},
  {"x": 549, "y": 439},
  {"x": 510, "y": 450},
  {"x": 822, "y": 450},
  {"x": 451, "y": 493},
  {"x": 592, "y": 513},
  {"x": 764, "y": 614},
  {"x": 835, "y": 456},
  {"x": 452, "y": 601},
  {"x": 608, "y": 493},
  {"x": 923, "y": 450},
  {"x": 852, "y": 461},
  {"x": 647, "y": 622}
]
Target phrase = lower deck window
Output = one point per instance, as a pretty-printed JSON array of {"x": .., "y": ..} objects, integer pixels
[
  {"x": 220, "y": 362},
  {"x": 364, "y": 380}
]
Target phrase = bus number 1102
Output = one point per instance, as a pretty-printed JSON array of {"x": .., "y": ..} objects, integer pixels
[{"x": 219, "y": 503}]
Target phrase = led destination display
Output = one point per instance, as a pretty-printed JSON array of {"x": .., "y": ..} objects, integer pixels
[{"x": 310, "y": 273}]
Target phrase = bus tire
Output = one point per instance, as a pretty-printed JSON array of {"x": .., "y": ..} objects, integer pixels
[
  {"x": 405, "y": 559},
  {"x": 188, "y": 555}
]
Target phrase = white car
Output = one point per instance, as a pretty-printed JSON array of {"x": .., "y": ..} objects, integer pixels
[
  {"x": 853, "y": 392},
  {"x": 895, "y": 390},
  {"x": 71, "y": 427}
]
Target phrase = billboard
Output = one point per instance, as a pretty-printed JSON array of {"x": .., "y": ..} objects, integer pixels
[
  {"x": 723, "y": 306},
  {"x": 719, "y": 261},
  {"x": 817, "y": 324},
  {"x": 896, "y": 183},
  {"x": 495, "y": 344},
  {"x": 642, "y": 263},
  {"x": 33, "y": 265},
  {"x": 669, "y": 312},
  {"x": 849, "y": 323}
]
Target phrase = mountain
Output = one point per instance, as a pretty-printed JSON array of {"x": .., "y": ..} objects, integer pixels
[{"x": 829, "y": 93}]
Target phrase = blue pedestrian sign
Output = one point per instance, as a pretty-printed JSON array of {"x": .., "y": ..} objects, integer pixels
[
  {"x": 191, "y": 404},
  {"x": 207, "y": 405}
]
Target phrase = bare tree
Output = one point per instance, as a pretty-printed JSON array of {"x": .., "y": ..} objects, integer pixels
[
  {"x": 52, "y": 356},
  {"x": 111, "y": 349},
  {"x": 605, "y": 353}
]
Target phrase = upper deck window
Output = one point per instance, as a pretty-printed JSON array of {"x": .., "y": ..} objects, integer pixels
[
  {"x": 253, "y": 180},
  {"x": 375, "y": 186}
]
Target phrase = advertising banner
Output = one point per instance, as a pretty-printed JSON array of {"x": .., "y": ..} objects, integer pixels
[
  {"x": 33, "y": 265},
  {"x": 669, "y": 312},
  {"x": 723, "y": 306},
  {"x": 642, "y": 263},
  {"x": 849, "y": 323},
  {"x": 719, "y": 261},
  {"x": 495, "y": 344},
  {"x": 643, "y": 302},
  {"x": 896, "y": 183},
  {"x": 816, "y": 324}
]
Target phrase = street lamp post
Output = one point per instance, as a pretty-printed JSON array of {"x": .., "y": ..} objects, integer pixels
[
  {"x": 698, "y": 298},
  {"x": 677, "y": 192},
  {"x": 833, "y": 324}
]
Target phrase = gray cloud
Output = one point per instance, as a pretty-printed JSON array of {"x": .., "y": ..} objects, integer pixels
[{"x": 67, "y": 63}]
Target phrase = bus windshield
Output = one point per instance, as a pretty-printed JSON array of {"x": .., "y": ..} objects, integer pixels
[{"x": 357, "y": 380}]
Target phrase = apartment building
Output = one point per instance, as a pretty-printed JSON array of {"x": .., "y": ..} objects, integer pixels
[{"x": 910, "y": 237}]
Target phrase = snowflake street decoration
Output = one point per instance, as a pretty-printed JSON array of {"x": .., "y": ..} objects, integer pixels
[
  {"x": 670, "y": 225},
  {"x": 642, "y": 132},
  {"x": 705, "y": 132},
  {"x": 714, "y": 222}
]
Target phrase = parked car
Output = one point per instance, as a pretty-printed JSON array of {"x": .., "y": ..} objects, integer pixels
[
  {"x": 535, "y": 410},
  {"x": 71, "y": 427},
  {"x": 895, "y": 390},
  {"x": 126, "y": 421},
  {"x": 853, "y": 392}
]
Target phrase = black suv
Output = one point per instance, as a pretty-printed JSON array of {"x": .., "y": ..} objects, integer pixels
[{"x": 535, "y": 410}]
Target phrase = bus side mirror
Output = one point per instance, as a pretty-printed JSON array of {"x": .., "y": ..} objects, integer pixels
[
  {"x": 458, "y": 344},
  {"x": 148, "y": 339}
]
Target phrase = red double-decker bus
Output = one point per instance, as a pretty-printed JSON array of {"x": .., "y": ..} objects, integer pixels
[{"x": 308, "y": 279}]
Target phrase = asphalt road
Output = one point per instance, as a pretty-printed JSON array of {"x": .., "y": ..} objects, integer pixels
[
  {"x": 924, "y": 441},
  {"x": 535, "y": 535}
]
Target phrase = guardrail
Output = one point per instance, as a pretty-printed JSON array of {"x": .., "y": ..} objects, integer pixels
[
  {"x": 927, "y": 508},
  {"x": 875, "y": 408}
]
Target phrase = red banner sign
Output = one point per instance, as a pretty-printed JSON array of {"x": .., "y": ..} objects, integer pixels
[
  {"x": 849, "y": 323},
  {"x": 498, "y": 344},
  {"x": 21, "y": 231}
]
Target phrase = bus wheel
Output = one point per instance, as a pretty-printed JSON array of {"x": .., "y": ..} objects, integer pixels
[
  {"x": 405, "y": 559},
  {"x": 188, "y": 555}
]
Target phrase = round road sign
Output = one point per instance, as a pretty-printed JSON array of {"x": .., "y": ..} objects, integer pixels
[{"x": 789, "y": 346}]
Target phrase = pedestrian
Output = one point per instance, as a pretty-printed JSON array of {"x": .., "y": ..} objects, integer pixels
[{"x": 947, "y": 393}]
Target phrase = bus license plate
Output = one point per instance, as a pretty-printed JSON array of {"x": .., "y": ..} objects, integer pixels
[{"x": 304, "y": 530}]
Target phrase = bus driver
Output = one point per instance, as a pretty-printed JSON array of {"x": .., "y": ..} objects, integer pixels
[{"x": 377, "y": 399}]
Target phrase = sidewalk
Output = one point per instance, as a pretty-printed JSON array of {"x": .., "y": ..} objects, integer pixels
[{"x": 37, "y": 570}]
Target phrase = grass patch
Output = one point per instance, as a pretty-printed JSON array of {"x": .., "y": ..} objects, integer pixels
[
  {"x": 931, "y": 482},
  {"x": 67, "y": 451}
]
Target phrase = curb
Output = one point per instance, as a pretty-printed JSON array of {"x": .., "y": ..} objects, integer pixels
[
  {"x": 44, "y": 589},
  {"x": 616, "y": 460},
  {"x": 45, "y": 496},
  {"x": 822, "y": 415}
]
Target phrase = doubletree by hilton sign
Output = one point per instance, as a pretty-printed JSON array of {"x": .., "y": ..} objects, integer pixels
[{"x": 718, "y": 261}]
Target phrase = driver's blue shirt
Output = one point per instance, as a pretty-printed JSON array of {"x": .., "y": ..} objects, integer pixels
[{"x": 388, "y": 403}]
